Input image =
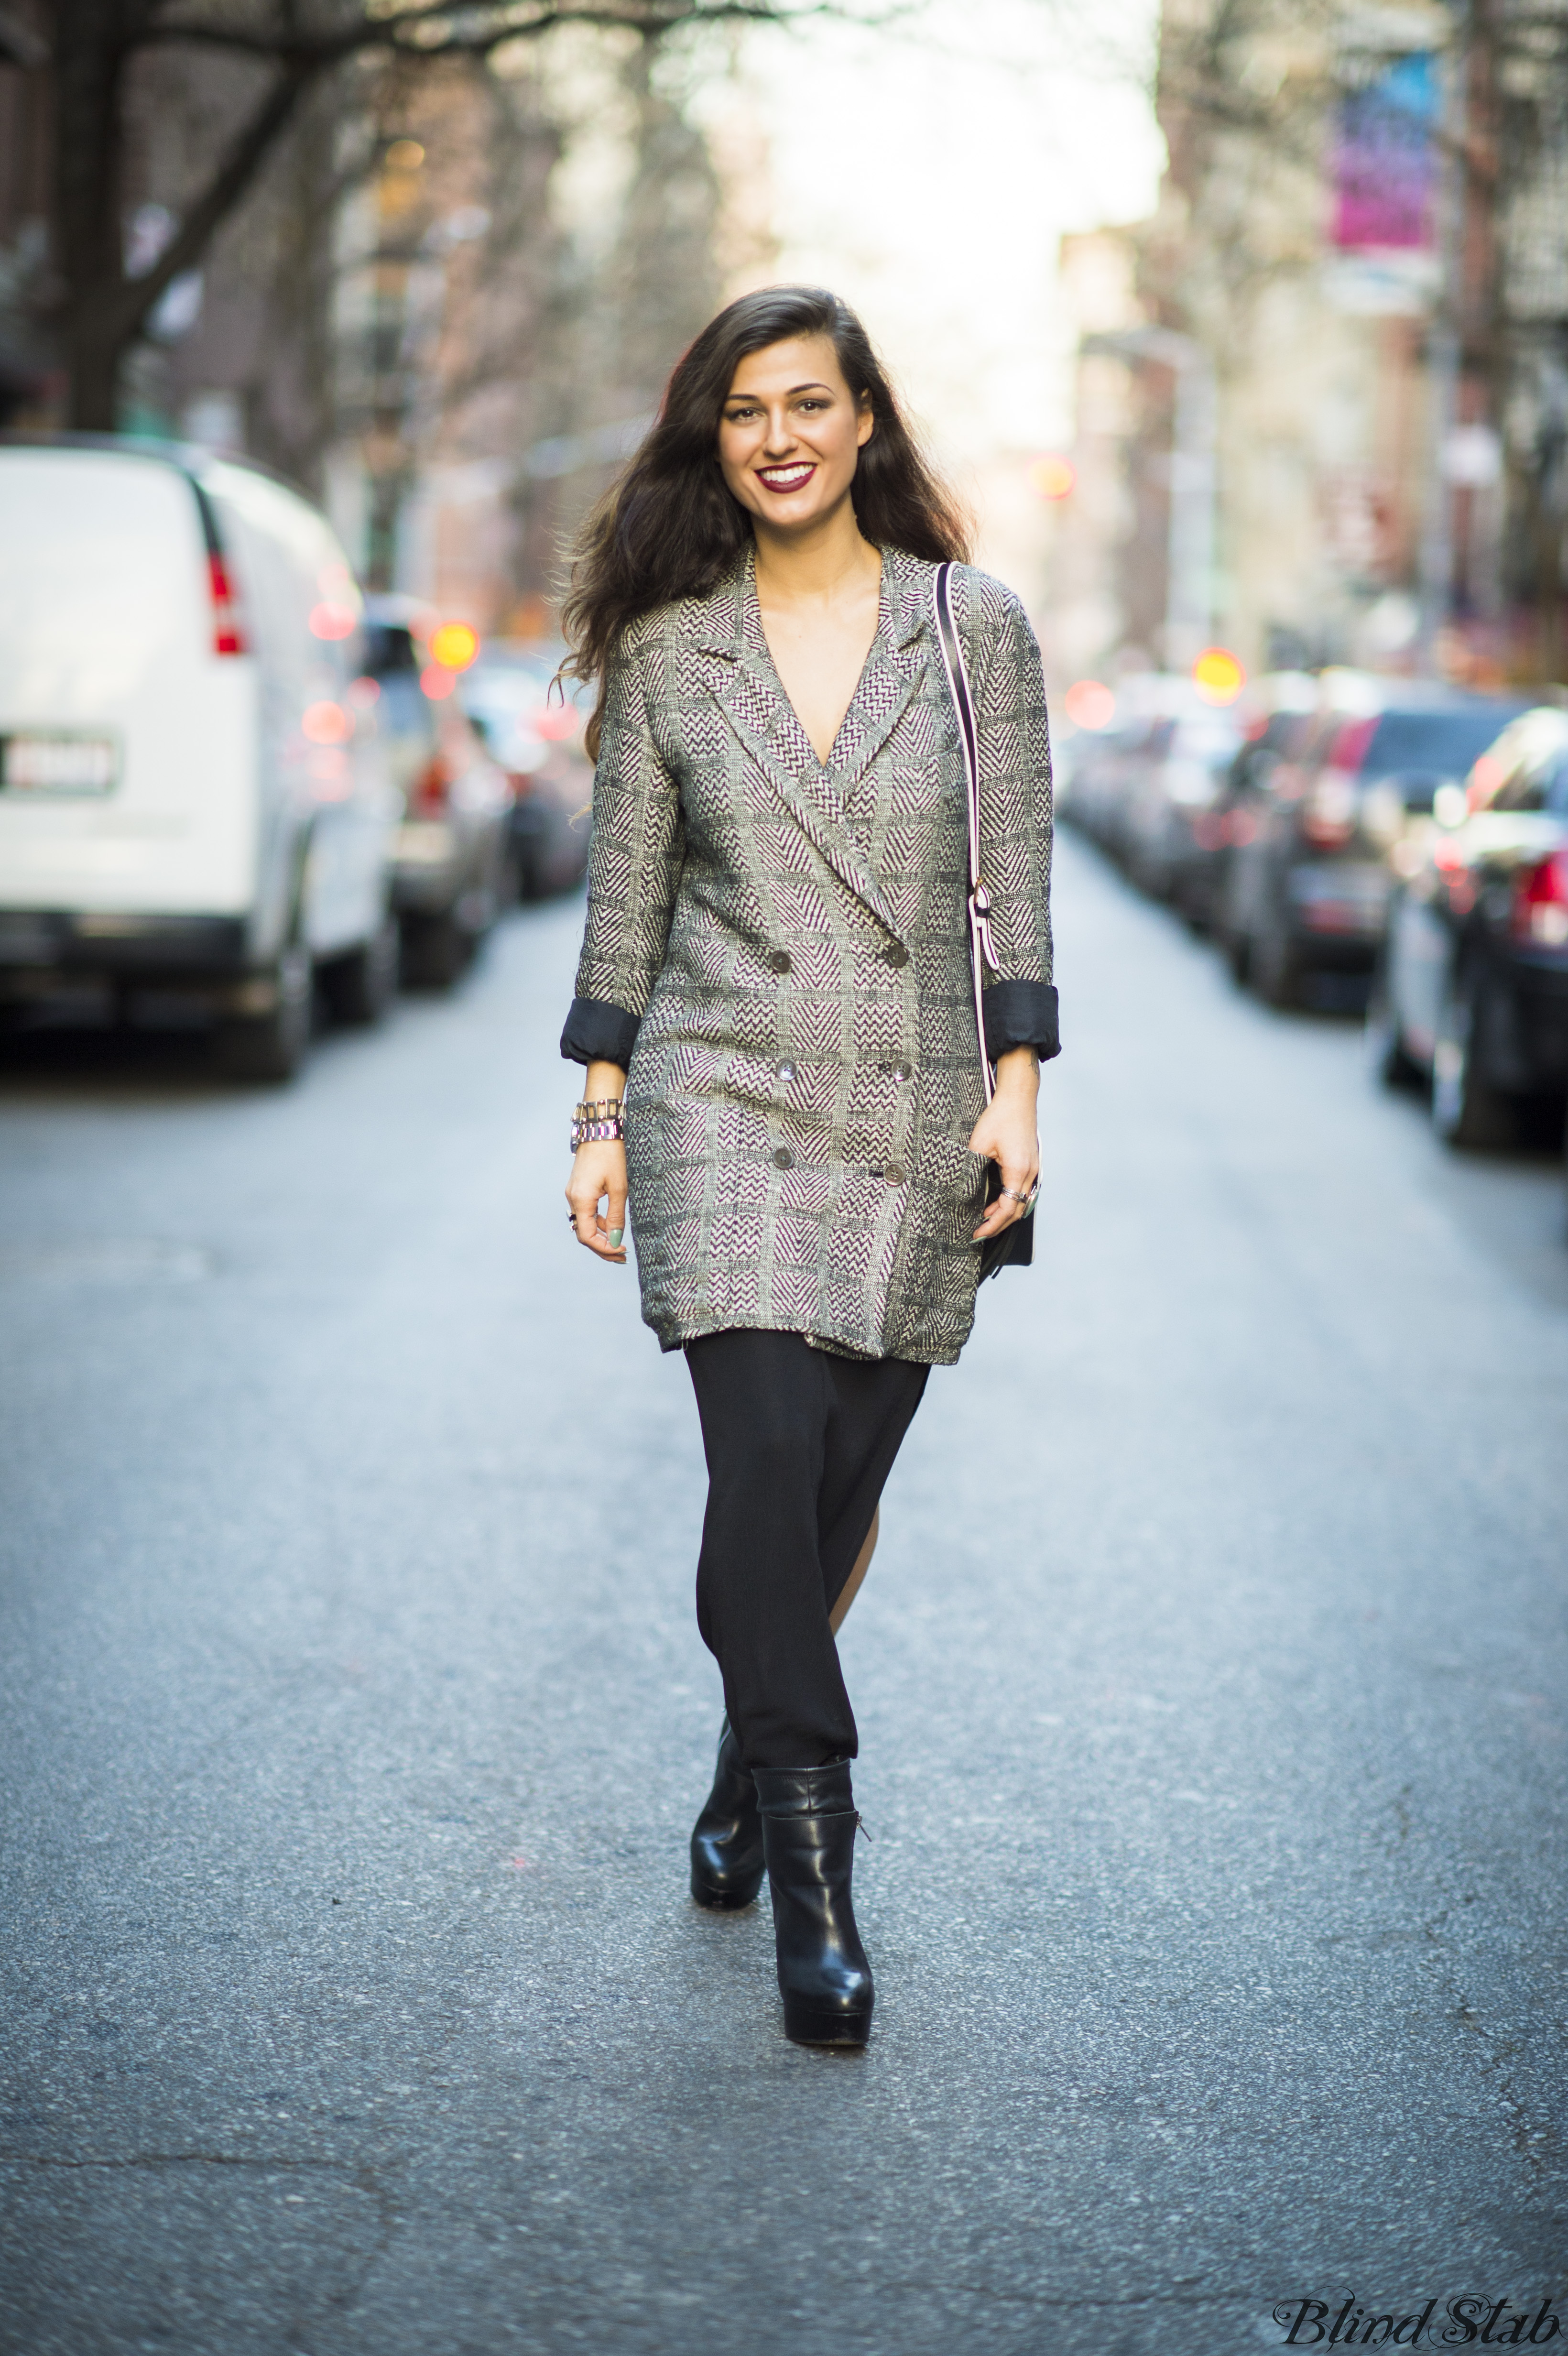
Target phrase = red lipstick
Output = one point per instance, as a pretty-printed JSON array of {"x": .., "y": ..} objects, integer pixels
[{"x": 797, "y": 474}]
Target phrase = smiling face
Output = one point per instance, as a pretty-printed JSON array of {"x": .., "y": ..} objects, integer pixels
[{"x": 792, "y": 433}]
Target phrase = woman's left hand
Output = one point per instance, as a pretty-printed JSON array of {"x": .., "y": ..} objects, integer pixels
[{"x": 1007, "y": 1133}]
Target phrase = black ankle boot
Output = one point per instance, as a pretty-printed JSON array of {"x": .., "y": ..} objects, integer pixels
[
  {"x": 808, "y": 1829},
  {"x": 727, "y": 1864}
]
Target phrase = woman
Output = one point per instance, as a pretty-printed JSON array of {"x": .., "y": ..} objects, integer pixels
[{"x": 775, "y": 1011}]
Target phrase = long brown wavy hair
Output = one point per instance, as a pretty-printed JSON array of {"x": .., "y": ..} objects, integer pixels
[{"x": 670, "y": 527}]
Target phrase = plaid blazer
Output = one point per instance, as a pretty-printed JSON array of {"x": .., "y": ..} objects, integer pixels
[{"x": 777, "y": 948}]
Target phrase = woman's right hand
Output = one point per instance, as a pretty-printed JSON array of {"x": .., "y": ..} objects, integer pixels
[{"x": 599, "y": 1175}]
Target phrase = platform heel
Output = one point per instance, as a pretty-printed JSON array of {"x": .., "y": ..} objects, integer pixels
[{"x": 809, "y": 1832}]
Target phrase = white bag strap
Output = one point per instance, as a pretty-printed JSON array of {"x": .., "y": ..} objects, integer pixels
[{"x": 982, "y": 948}]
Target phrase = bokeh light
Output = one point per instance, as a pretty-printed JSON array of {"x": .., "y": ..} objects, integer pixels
[
  {"x": 326, "y": 723},
  {"x": 1054, "y": 475},
  {"x": 1090, "y": 703},
  {"x": 453, "y": 645},
  {"x": 1218, "y": 675}
]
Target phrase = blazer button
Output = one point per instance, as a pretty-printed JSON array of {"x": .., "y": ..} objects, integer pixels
[
  {"x": 780, "y": 960},
  {"x": 895, "y": 954},
  {"x": 783, "y": 1159},
  {"x": 903, "y": 1071},
  {"x": 894, "y": 1173}
]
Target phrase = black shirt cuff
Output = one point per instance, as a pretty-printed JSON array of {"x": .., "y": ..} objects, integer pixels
[
  {"x": 598, "y": 1032},
  {"x": 1021, "y": 1014}
]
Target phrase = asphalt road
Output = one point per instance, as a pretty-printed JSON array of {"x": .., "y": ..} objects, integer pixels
[{"x": 1210, "y": 1678}]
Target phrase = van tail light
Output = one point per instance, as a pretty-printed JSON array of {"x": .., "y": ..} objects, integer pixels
[
  {"x": 1539, "y": 916},
  {"x": 431, "y": 789},
  {"x": 1328, "y": 812},
  {"x": 227, "y": 635}
]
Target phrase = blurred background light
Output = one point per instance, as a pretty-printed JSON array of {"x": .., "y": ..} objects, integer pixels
[
  {"x": 1052, "y": 477},
  {"x": 327, "y": 621},
  {"x": 1218, "y": 675},
  {"x": 454, "y": 646},
  {"x": 1090, "y": 705},
  {"x": 326, "y": 723}
]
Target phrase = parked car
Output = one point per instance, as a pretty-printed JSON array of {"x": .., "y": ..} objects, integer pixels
[
  {"x": 1473, "y": 985},
  {"x": 534, "y": 729},
  {"x": 1313, "y": 833},
  {"x": 451, "y": 869},
  {"x": 189, "y": 800},
  {"x": 1104, "y": 765},
  {"x": 1269, "y": 723},
  {"x": 1170, "y": 824},
  {"x": 1083, "y": 762}
]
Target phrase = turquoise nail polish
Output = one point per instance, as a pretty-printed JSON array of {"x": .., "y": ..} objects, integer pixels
[{"x": 616, "y": 1234}]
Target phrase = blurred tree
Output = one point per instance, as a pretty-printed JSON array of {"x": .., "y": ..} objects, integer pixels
[
  {"x": 623, "y": 311},
  {"x": 416, "y": 316},
  {"x": 1258, "y": 100},
  {"x": 283, "y": 49}
]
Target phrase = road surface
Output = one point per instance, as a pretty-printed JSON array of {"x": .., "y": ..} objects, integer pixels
[{"x": 1211, "y": 1682}]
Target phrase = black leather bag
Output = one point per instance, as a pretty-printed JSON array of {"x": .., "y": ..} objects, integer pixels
[{"x": 1014, "y": 1247}]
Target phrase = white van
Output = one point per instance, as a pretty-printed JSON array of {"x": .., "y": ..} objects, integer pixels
[{"x": 192, "y": 796}]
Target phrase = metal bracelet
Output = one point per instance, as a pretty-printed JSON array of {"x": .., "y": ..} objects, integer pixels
[{"x": 598, "y": 1122}]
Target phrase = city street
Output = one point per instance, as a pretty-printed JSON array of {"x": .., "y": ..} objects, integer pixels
[{"x": 1213, "y": 1682}]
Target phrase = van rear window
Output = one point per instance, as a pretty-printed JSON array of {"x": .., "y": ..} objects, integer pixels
[
  {"x": 102, "y": 578},
  {"x": 102, "y": 571}
]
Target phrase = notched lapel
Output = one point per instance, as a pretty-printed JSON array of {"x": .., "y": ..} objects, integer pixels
[
  {"x": 749, "y": 693},
  {"x": 887, "y": 683},
  {"x": 894, "y": 669},
  {"x": 750, "y": 706}
]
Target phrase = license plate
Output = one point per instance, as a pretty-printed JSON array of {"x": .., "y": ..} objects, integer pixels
[{"x": 59, "y": 764}]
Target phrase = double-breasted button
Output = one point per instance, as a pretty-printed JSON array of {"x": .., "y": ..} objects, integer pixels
[
  {"x": 785, "y": 1071},
  {"x": 894, "y": 1173},
  {"x": 779, "y": 960},
  {"x": 783, "y": 1159},
  {"x": 895, "y": 954}
]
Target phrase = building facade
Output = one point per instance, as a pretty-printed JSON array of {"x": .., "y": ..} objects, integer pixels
[{"x": 1362, "y": 237}]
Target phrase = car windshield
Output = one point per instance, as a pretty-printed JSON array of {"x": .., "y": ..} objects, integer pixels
[
  {"x": 1207, "y": 740},
  {"x": 1441, "y": 743},
  {"x": 513, "y": 700},
  {"x": 511, "y": 680},
  {"x": 516, "y": 684}
]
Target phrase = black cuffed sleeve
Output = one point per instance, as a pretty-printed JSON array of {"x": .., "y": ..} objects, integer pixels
[
  {"x": 1021, "y": 1014},
  {"x": 597, "y": 1033}
]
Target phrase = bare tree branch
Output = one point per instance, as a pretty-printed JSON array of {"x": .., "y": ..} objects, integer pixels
[
  {"x": 100, "y": 310},
  {"x": 436, "y": 30},
  {"x": 137, "y": 297}
]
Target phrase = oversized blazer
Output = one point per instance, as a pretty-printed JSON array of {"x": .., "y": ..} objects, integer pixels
[{"x": 778, "y": 950}]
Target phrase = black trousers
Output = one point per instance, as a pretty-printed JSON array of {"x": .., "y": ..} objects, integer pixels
[{"x": 798, "y": 1444}]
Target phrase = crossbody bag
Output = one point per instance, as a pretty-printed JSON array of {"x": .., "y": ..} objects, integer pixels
[{"x": 1014, "y": 1247}]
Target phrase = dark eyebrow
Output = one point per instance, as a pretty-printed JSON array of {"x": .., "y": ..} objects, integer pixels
[{"x": 814, "y": 386}]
